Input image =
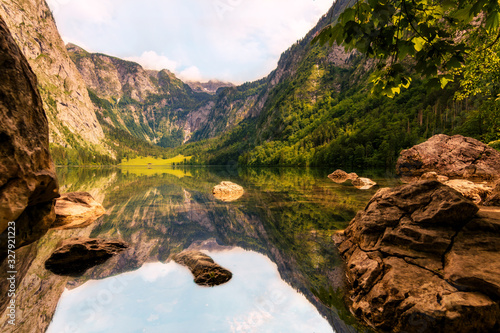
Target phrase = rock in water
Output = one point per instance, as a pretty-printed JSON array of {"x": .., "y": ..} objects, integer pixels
[
  {"x": 228, "y": 191},
  {"x": 363, "y": 183},
  {"x": 76, "y": 255},
  {"x": 76, "y": 210},
  {"x": 205, "y": 271},
  {"x": 28, "y": 183},
  {"x": 340, "y": 176},
  {"x": 420, "y": 260},
  {"x": 456, "y": 157}
]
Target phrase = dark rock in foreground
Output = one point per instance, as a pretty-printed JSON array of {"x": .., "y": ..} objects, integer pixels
[
  {"x": 76, "y": 255},
  {"x": 205, "y": 271},
  {"x": 28, "y": 183},
  {"x": 76, "y": 210},
  {"x": 419, "y": 259},
  {"x": 456, "y": 157}
]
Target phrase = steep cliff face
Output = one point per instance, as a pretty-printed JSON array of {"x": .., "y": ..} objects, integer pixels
[
  {"x": 71, "y": 114},
  {"x": 28, "y": 183}
]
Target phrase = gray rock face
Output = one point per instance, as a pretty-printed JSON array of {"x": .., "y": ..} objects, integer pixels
[
  {"x": 205, "y": 271},
  {"x": 76, "y": 255},
  {"x": 420, "y": 260},
  {"x": 456, "y": 156},
  {"x": 28, "y": 183}
]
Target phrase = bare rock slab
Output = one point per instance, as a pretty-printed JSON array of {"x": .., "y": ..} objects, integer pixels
[
  {"x": 76, "y": 210},
  {"x": 228, "y": 191},
  {"x": 76, "y": 255},
  {"x": 421, "y": 258},
  {"x": 452, "y": 156},
  {"x": 205, "y": 271}
]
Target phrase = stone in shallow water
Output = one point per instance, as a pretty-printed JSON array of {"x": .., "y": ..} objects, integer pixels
[
  {"x": 228, "y": 191},
  {"x": 76, "y": 210},
  {"x": 205, "y": 271},
  {"x": 340, "y": 176},
  {"x": 76, "y": 255},
  {"x": 363, "y": 183}
]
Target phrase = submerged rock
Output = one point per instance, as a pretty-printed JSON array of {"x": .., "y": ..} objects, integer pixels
[
  {"x": 452, "y": 156},
  {"x": 363, "y": 183},
  {"x": 420, "y": 260},
  {"x": 228, "y": 191},
  {"x": 28, "y": 183},
  {"x": 340, "y": 176},
  {"x": 76, "y": 255},
  {"x": 76, "y": 210},
  {"x": 205, "y": 271}
]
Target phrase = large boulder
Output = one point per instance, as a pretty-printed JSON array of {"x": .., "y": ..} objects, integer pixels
[
  {"x": 74, "y": 256},
  {"x": 419, "y": 259},
  {"x": 205, "y": 271},
  {"x": 76, "y": 210},
  {"x": 28, "y": 184},
  {"x": 227, "y": 191},
  {"x": 452, "y": 156}
]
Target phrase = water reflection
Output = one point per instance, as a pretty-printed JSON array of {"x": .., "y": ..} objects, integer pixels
[
  {"x": 287, "y": 215},
  {"x": 163, "y": 298}
]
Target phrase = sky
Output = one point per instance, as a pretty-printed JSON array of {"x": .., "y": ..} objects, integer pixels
[
  {"x": 160, "y": 298},
  {"x": 229, "y": 40}
]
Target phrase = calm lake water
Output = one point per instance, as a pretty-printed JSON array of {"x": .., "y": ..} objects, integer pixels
[{"x": 276, "y": 239}]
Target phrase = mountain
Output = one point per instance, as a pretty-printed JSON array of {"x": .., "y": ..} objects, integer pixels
[
  {"x": 316, "y": 109},
  {"x": 72, "y": 119},
  {"x": 209, "y": 87},
  {"x": 158, "y": 107}
]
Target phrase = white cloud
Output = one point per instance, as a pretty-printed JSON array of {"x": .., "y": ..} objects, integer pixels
[
  {"x": 152, "y": 60},
  {"x": 191, "y": 74}
]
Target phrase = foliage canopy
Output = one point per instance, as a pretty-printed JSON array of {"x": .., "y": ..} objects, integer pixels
[{"x": 434, "y": 36}]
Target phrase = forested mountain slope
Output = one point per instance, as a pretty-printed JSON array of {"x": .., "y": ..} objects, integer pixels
[{"x": 316, "y": 109}]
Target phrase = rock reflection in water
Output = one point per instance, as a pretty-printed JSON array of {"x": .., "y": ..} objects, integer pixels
[{"x": 163, "y": 298}]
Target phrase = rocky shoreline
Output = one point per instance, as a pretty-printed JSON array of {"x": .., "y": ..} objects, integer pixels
[{"x": 423, "y": 257}]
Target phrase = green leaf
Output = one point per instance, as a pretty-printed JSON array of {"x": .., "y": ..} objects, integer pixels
[
  {"x": 418, "y": 43},
  {"x": 492, "y": 22}
]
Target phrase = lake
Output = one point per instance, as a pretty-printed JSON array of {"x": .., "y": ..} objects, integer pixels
[{"x": 276, "y": 239}]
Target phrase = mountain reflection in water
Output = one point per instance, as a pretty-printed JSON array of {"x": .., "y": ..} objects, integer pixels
[{"x": 287, "y": 215}]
